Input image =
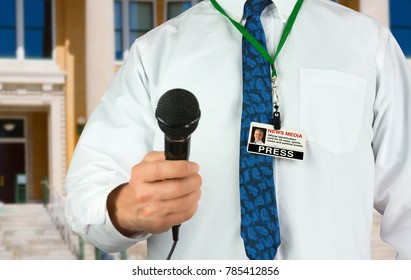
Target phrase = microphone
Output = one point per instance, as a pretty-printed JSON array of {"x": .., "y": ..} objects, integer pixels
[{"x": 177, "y": 115}]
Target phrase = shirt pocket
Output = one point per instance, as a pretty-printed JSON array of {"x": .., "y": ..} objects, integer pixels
[{"x": 331, "y": 108}]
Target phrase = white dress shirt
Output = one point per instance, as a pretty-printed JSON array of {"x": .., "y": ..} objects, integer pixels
[{"x": 343, "y": 80}]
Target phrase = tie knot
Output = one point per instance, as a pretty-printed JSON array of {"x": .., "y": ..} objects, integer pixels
[{"x": 255, "y": 7}]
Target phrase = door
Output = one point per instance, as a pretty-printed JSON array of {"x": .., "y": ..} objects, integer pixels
[
  {"x": 12, "y": 155},
  {"x": 12, "y": 162}
]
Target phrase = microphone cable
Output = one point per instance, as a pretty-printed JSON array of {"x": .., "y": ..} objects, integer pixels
[{"x": 175, "y": 231}]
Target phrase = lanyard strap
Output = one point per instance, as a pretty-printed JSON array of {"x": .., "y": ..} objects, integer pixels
[{"x": 262, "y": 50}]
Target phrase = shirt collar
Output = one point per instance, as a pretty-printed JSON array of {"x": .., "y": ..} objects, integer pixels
[{"x": 235, "y": 8}]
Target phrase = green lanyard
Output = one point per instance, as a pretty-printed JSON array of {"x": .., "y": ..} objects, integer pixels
[{"x": 262, "y": 50}]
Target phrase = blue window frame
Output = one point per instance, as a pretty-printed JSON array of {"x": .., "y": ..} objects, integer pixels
[
  {"x": 34, "y": 39},
  {"x": 132, "y": 19},
  {"x": 118, "y": 29},
  {"x": 38, "y": 28},
  {"x": 8, "y": 30},
  {"x": 141, "y": 15},
  {"x": 400, "y": 23}
]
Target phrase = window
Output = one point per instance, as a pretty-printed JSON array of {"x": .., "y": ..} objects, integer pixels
[
  {"x": 141, "y": 15},
  {"x": 118, "y": 29},
  {"x": 132, "y": 19},
  {"x": 26, "y": 29},
  {"x": 176, "y": 7},
  {"x": 11, "y": 128},
  {"x": 400, "y": 21},
  {"x": 8, "y": 35},
  {"x": 37, "y": 28}
]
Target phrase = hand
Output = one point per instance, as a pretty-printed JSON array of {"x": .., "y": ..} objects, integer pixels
[{"x": 160, "y": 194}]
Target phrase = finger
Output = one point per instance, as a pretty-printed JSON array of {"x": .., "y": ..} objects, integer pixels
[
  {"x": 182, "y": 216},
  {"x": 166, "y": 190},
  {"x": 164, "y": 170},
  {"x": 160, "y": 217},
  {"x": 183, "y": 204},
  {"x": 175, "y": 188},
  {"x": 163, "y": 208},
  {"x": 154, "y": 156}
]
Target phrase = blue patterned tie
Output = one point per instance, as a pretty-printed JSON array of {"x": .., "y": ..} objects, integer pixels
[{"x": 259, "y": 219}]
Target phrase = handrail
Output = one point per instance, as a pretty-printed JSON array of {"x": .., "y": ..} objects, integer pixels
[
  {"x": 75, "y": 242},
  {"x": 55, "y": 208},
  {"x": 45, "y": 185}
]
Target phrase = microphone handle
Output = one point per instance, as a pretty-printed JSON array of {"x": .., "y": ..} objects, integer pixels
[{"x": 177, "y": 149}]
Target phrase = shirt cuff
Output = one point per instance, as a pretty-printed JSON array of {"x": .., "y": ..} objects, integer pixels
[{"x": 107, "y": 238}]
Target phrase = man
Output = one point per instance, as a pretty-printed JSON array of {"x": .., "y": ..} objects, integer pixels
[
  {"x": 258, "y": 136},
  {"x": 342, "y": 79}
]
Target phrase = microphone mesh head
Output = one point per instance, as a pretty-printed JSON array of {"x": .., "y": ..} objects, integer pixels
[{"x": 178, "y": 113}]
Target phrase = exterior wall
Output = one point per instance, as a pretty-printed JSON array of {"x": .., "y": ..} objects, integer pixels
[
  {"x": 38, "y": 147},
  {"x": 70, "y": 56},
  {"x": 353, "y": 4},
  {"x": 160, "y": 11},
  {"x": 378, "y": 9},
  {"x": 99, "y": 47}
]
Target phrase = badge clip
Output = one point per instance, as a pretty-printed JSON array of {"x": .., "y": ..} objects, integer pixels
[
  {"x": 277, "y": 120},
  {"x": 276, "y": 100}
]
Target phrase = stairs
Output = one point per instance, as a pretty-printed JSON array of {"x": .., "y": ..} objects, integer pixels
[{"x": 28, "y": 233}]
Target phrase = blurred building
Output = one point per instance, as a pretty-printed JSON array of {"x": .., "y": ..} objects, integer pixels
[{"x": 57, "y": 58}]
